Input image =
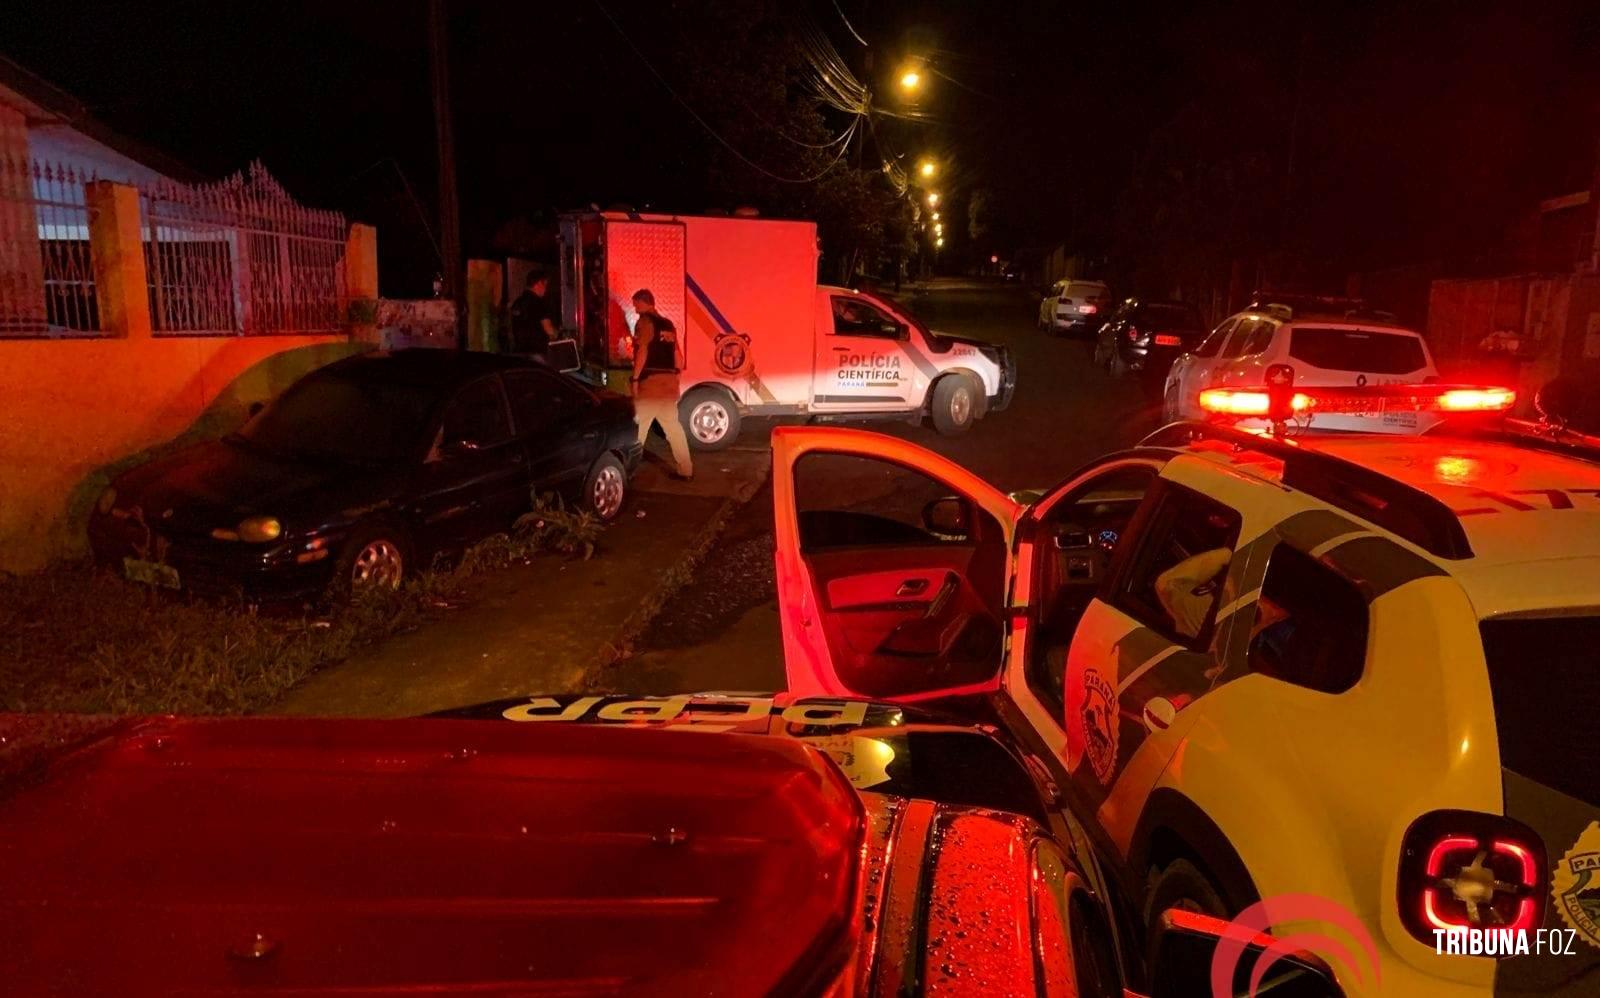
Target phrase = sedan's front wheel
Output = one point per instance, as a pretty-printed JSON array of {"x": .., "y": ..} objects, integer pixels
[{"x": 373, "y": 557}]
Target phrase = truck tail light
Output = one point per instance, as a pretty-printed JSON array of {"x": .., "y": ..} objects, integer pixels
[
  {"x": 1168, "y": 340},
  {"x": 1461, "y": 870}
]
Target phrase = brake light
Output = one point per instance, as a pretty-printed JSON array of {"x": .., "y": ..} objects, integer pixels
[
  {"x": 1247, "y": 401},
  {"x": 1168, "y": 340},
  {"x": 1477, "y": 399},
  {"x": 1460, "y": 870},
  {"x": 1088, "y": 309}
]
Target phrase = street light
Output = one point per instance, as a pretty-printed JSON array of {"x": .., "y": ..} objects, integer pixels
[
  {"x": 910, "y": 80},
  {"x": 927, "y": 168},
  {"x": 938, "y": 228},
  {"x": 939, "y": 241},
  {"x": 933, "y": 198},
  {"x": 935, "y": 216}
]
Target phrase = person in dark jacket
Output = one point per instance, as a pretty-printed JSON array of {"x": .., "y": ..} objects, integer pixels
[
  {"x": 533, "y": 317},
  {"x": 657, "y": 361}
]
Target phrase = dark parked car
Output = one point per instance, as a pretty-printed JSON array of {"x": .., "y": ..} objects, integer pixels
[
  {"x": 363, "y": 470},
  {"x": 1145, "y": 336}
]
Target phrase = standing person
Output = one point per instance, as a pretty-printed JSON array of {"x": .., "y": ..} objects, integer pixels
[
  {"x": 533, "y": 316},
  {"x": 657, "y": 359}
]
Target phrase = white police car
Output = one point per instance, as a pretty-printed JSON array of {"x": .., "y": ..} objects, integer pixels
[{"x": 1354, "y": 667}]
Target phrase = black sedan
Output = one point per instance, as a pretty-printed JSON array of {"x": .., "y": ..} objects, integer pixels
[
  {"x": 363, "y": 470},
  {"x": 1144, "y": 336}
]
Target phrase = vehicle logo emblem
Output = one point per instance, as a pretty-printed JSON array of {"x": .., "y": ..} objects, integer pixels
[
  {"x": 1100, "y": 723},
  {"x": 1575, "y": 886},
  {"x": 731, "y": 353}
]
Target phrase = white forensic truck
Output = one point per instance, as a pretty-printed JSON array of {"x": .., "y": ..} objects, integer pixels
[{"x": 762, "y": 337}]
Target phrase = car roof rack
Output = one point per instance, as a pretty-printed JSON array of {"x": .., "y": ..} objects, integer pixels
[
  {"x": 1284, "y": 306},
  {"x": 1401, "y": 509},
  {"x": 1548, "y": 435}
]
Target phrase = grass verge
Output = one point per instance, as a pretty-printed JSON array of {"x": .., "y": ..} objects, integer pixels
[{"x": 76, "y": 639}]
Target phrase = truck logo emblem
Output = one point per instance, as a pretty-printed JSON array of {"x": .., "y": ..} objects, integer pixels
[
  {"x": 1575, "y": 885},
  {"x": 731, "y": 353}
]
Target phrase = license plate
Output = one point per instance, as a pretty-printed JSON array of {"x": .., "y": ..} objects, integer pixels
[{"x": 150, "y": 573}]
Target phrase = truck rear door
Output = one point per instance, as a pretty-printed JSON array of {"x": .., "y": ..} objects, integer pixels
[{"x": 862, "y": 359}]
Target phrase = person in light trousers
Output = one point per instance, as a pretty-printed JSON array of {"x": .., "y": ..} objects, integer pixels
[{"x": 657, "y": 361}]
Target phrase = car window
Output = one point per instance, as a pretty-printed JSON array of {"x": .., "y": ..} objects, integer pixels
[
  {"x": 1081, "y": 289},
  {"x": 846, "y": 500},
  {"x": 854, "y": 317},
  {"x": 1176, "y": 579},
  {"x": 1545, "y": 687},
  {"x": 1357, "y": 350},
  {"x": 1077, "y": 540},
  {"x": 538, "y": 399},
  {"x": 1260, "y": 338},
  {"x": 477, "y": 415},
  {"x": 1213, "y": 343},
  {"x": 1241, "y": 335},
  {"x": 326, "y": 416},
  {"x": 1310, "y": 626}
]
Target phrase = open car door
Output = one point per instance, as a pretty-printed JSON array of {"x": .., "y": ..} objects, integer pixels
[{"x": 893, "y": 565}]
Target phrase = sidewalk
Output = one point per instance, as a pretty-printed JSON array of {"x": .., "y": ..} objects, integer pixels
[{"x": 540, "y": 627}]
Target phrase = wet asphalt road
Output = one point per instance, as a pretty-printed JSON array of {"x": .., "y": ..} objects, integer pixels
[{"x": 1065, "y": 414}]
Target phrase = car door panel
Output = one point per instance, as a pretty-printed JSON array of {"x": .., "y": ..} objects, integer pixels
[
  {"x": 901, "y": 621},
  {"x": 862, "y": 361}
]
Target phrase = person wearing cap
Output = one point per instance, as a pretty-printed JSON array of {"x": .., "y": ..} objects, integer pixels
[
  {"x": 533, "y": 316},
  {"x": 657, "y": 359}
]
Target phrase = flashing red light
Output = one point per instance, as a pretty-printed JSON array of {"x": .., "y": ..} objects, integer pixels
[
  {"x": 1476, "y": 399},
  {"x": 1168, "y": 340},
  {"x": 1247, "y": 401}
]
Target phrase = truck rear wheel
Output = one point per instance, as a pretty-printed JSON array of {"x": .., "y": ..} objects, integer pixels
[
  {"x": 710, "y": 418},
  {"x": 955, "y": 404}
]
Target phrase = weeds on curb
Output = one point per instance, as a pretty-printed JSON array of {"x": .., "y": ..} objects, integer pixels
[{"x": 76, "y": 639}]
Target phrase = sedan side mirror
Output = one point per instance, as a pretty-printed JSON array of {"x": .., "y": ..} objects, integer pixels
[
  {"x": 1192, "y": 945},
  {"x": 948, "y": 518}
]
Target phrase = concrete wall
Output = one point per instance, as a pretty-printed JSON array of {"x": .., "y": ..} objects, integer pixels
[
  {"x": 77, "y": 411},
  {"x": 74, "y": 412}
]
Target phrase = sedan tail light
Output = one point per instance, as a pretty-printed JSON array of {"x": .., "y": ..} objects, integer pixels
[
  {"x": 1088, "y": 309},
  {"x": 1461, "y": 870},
  {"x": 1168, "y": 340}
]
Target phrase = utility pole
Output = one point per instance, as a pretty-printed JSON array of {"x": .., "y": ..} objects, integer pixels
[{"x": 444, "y": 132}]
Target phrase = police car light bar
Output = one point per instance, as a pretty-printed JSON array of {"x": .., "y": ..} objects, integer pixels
[
  {"x": 1248, "y": 401},
  {"x": 1284, "y": 404}
]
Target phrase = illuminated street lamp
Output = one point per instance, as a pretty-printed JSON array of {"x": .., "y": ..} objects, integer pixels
[
  {"x": 935, "y": 216},
  {"x": 939, "y": 241},
  {"x": 927, "y": 168},
  {"x": 933, "y": 198},
  {"x": 938, "y": 228},
  {"x": 910, "y": 80}
]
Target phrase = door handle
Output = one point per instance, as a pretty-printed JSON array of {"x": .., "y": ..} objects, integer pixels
[{"x": 912, "y": 587}]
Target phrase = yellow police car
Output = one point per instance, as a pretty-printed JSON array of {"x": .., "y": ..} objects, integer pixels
[{"x": 1356, "y": 672}]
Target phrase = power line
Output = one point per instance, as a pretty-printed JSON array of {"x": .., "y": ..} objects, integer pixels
[
  {"x": 848, "y": 26},
  {"x": 707, "y": 126}
]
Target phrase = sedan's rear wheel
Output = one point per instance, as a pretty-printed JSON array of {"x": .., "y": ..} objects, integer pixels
[{"x": 605, "y": 487}]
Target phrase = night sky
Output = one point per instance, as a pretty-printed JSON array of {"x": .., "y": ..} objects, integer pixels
[{"x": 1416, "y": 128}]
